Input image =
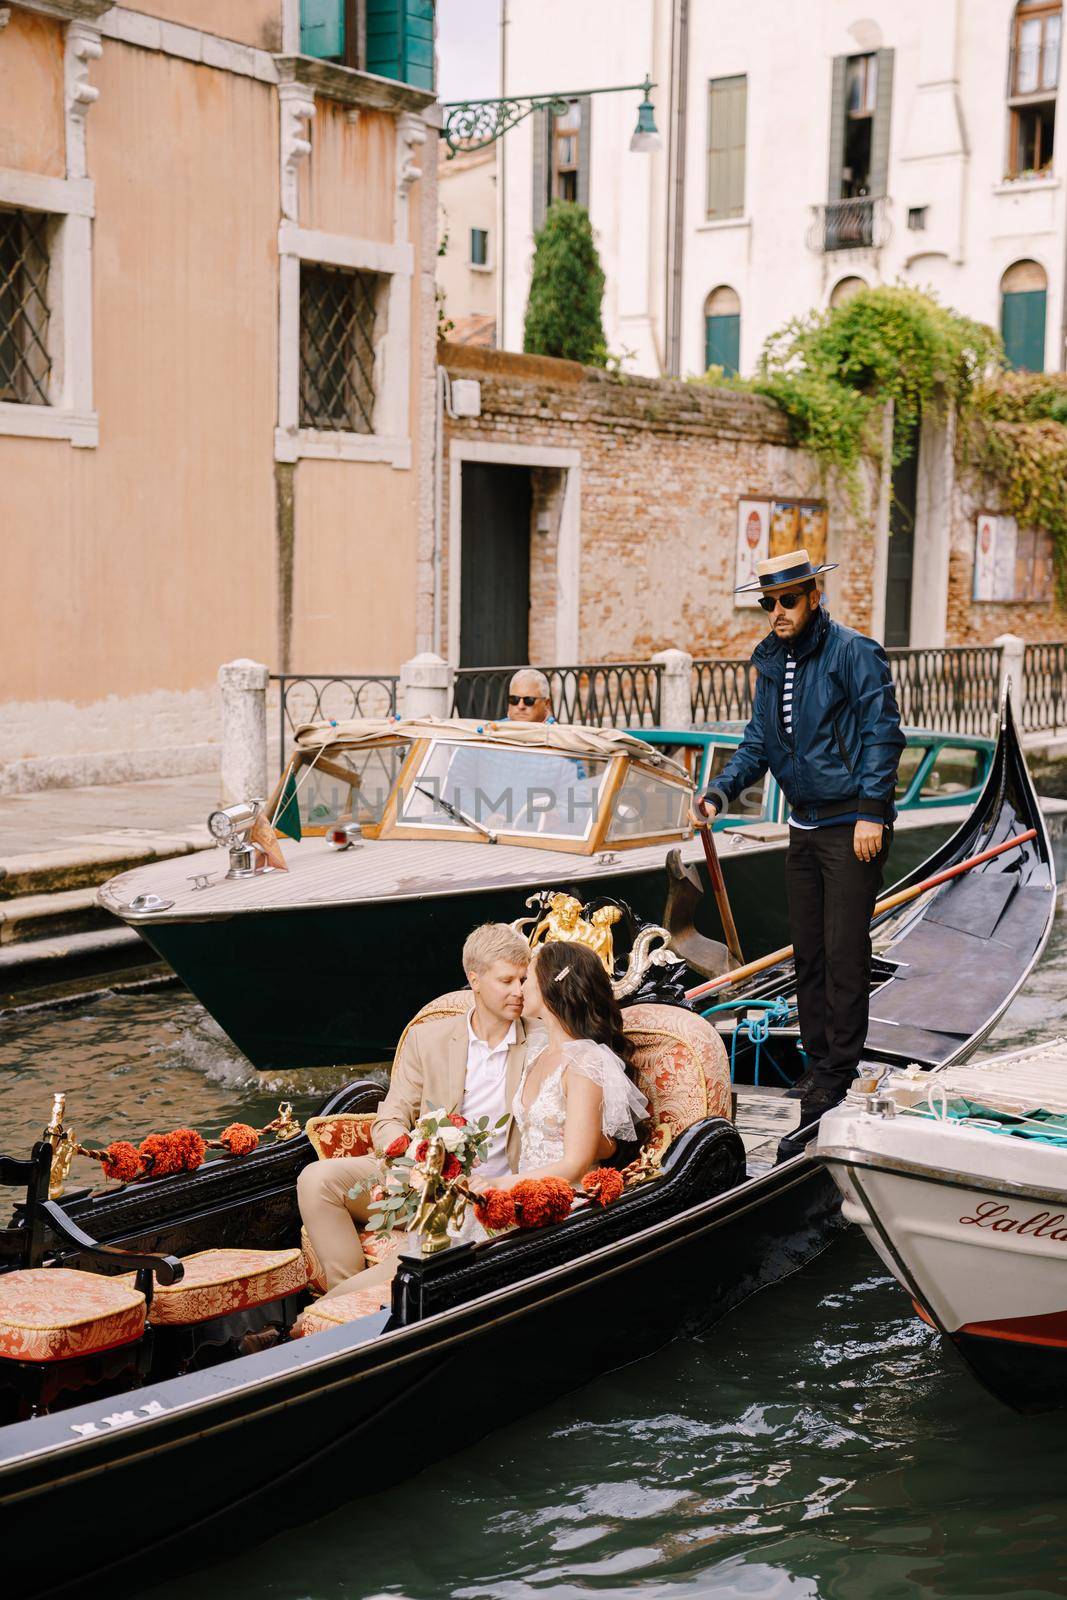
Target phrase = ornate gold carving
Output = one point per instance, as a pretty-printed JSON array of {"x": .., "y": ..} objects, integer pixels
[
  {"x": 441, "y": 1203},
  {"x": 564, "y": 921},
  {"x": 285, "y": 1125},
  {"x": 62, "y": 1141}
]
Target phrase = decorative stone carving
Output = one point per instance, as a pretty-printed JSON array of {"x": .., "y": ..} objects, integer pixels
[
  {"x": 83, "y": 47},
  {"x": 297, "y": 104},
  {"x": 410, "y": 134}
]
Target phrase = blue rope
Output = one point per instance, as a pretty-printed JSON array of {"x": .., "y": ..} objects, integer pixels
[{"x": 756, "y": 1030}]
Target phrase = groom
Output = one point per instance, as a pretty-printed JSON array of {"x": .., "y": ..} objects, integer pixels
[{"x": 470, "y": 1063}]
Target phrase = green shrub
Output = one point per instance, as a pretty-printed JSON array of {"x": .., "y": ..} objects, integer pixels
[{"x": 566, "y": 289}]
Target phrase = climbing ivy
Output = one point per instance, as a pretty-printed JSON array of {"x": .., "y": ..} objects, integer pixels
[
  {"x": 1016, "y": 436},
  {"x": 832, "y": 372}
]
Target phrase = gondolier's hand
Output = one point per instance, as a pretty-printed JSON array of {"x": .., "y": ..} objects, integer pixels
[
  {"x": 867, "y": 840},
  {"x": 702, "y": 812}
]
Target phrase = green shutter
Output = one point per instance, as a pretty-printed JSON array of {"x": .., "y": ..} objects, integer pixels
[
  {"x": 883, "y": 103},
  {"x": 1022, "y": 323},
  {"x": 322, "y": 29},
  {"x": 400, "y": 41},
  {"x": 585, "y": 133},
  {"x": 722, "y": 343},
  {"x": 837, "y": 129},
  {"x": 727, "y": 108}
]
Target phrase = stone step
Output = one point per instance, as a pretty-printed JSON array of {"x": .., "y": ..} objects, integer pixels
[
  {"x": 37, "y": 967},
  {"x": 84, "y": 864},
  {"x": 44, "y": 916}
]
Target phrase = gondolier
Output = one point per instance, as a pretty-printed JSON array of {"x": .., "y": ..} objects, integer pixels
[{"x": 825, "y": 721}]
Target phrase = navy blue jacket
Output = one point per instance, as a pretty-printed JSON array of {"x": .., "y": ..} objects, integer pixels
[{"x": 845, "y": 746}]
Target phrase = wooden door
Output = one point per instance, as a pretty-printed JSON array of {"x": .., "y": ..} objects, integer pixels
[{"x": 494, "y": 615}]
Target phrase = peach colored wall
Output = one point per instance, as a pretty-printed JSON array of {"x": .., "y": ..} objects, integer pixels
[
  {"x": 256, "y": 22},
  {"x": 31, "y": 95},
  {"x": 354, "y": 567},
  {"x": 146, "y": 562},
  {"x": 350, "y": 178}
]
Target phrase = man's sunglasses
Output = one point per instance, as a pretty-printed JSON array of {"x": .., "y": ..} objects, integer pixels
[
  {"x": 523, "y": 699},
  {"x": 786, "y": 601}
]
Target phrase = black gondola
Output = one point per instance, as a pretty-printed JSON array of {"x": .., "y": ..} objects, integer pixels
[{"x": 180, "y": 1465}]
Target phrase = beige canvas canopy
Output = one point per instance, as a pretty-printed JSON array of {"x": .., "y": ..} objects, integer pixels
[{"x": 568, "y": 738}]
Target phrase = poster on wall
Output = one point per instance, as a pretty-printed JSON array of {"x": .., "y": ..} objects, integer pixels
[
  {"x": 753, "y": 544},
  {"x": 1011, "y": 563}
]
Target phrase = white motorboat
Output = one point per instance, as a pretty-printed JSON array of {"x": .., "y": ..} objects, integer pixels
[{"x": 959, "y": 1179}]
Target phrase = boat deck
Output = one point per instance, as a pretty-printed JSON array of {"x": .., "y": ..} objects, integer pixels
[
  {"x": 1026, "y": 1080},
  {"x": 763, "y": 1116}
]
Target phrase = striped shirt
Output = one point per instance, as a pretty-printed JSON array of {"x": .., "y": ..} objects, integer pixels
[{"x": 787, "y": 694}]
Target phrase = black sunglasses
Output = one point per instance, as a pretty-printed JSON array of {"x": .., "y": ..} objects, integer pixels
[
  {"x": 523, "y": 699},
  {"x": 787, "y": 601}
]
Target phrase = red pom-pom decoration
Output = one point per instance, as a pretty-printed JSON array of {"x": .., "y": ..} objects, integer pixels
[
  {"x": 122, "y": 1161},
  {"x": 452, "y": 1168},
  {"x": 604, "y": 1185},
  {"x": 239, "y": 1139},
  {"x": 497, "y": 1210},
  {"x": 166, "y": 1153},
  {"x": 541, "y": 1201},
  {"x": 398, "y": 1146}
]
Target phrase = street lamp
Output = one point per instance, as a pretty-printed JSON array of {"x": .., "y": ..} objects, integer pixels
[{"x": 474, "y": 124}]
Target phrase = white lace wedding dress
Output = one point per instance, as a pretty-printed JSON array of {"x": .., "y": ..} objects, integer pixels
[{"x": 541, "y": 1123}]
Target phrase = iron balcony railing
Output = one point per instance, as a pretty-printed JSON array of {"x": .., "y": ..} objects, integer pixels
[
  {"x": 950, "y": 690},
  {"x": 616, "y": 694},
  {"x": 1044, "y": 696},
  {"x": 861, "y": 224},
  {"x": 333, "y": 698}
]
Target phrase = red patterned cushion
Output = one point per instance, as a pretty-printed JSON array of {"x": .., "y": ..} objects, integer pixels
[
  {"x": 345, "y": 1134},
  {"x": 55, "y": 1314},
  {"x": 338, "y": 1308},
  {"x": 681, "y": 1065},
  {"x": 217, "y": 1282}
]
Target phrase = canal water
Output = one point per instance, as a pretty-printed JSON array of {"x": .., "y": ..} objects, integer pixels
[{"x": 818, "y": 1442}]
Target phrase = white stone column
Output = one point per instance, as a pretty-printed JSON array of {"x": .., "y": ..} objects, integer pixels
[
  {"x": 243, "y": 689},
  {"x": 1011, "y": 649},
  {"x": 425, "y": 686},
  {"x": 676, "y": 688}
]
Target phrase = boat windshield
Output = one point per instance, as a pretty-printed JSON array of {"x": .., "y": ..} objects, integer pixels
[
  {"x": 470, "y": 787},
  {"x": 349, "y": 783}
]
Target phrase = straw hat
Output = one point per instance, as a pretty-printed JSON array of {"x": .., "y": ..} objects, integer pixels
[{"x": 782, "y": 572}]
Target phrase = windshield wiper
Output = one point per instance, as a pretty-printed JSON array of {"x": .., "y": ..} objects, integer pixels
[{"x": 455, "y": 813}]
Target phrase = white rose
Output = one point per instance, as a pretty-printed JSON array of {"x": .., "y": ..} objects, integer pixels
[{"x": 451, "y": 1137}]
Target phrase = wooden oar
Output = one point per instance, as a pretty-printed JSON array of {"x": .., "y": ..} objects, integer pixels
[
  {"x": 718, "y": 885},
  {"x": 890, "y": 903}
]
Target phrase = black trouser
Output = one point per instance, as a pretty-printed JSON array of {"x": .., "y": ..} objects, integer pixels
[{"x": 831, "y": 897}]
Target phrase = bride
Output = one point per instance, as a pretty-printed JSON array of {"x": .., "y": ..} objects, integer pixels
[{"x": 575, "y": 1101}]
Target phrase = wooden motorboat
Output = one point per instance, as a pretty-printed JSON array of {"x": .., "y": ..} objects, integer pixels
[
  {"x": 323, "y": 964},
  {"x": 959, "y": 1180},
  {"x": 203, "y": 1438}
]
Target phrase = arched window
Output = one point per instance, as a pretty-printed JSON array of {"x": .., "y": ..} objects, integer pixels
[
  {"x": 1032, "y": 80},
  {"x": 722, "y": 330},
  {"x": 843, "y": 290},
  {"x": 1023, "y": 290}
]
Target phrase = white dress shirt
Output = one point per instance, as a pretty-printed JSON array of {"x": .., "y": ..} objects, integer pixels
[{"x": 484, "y": 1094}]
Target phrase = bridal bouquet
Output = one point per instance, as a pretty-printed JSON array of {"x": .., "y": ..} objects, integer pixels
[{"x": 441, "y": 1146}]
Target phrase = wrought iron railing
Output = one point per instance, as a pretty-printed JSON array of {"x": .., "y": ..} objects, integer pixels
[
  {"x": 616, "y": 694},
  {"x": 857, "y": 224},
  {"x": 951, "y": 690},
  {"x": 1044, "y": 687},
  {"x": 722, "y": 690},
  {"x": 331, "y": 699}
]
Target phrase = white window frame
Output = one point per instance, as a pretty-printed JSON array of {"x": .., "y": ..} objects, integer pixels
[
  {"x": 487, "y": 264},
  {"x": 391, "y": 440},
  {"x": 70, "y": 202}
]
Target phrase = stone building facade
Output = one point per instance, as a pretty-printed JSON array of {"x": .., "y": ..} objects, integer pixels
[{"x": 632, "y": 530}]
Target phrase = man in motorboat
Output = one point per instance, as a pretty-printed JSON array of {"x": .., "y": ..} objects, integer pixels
[
  {"x": 471, "y": 1063},
  {"x": 528, "y": 697},
  {"x": 825, "y": 721}
]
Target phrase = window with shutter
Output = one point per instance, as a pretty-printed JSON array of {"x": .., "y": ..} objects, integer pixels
[
  {"x": 1032, "y": 84},
  {"x": 727, "y": 109},
  {"x": 1024, "y": 291},
  {"x": 722, "y": 330},
  {"x": 400, "y": 40}
]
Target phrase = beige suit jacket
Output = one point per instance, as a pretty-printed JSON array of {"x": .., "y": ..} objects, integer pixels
[{"x": 430, "y": 1070}]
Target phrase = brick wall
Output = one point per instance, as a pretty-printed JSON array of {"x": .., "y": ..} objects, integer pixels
[
  {"x": 971, "y": 622},
  {"x": 663, "y": 465}
]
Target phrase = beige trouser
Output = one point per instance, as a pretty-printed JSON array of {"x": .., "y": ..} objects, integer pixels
[{"x": 330, "y": 1216}]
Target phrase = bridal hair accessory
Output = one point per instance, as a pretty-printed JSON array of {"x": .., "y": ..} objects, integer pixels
[{"x": 561, "y": 974}]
